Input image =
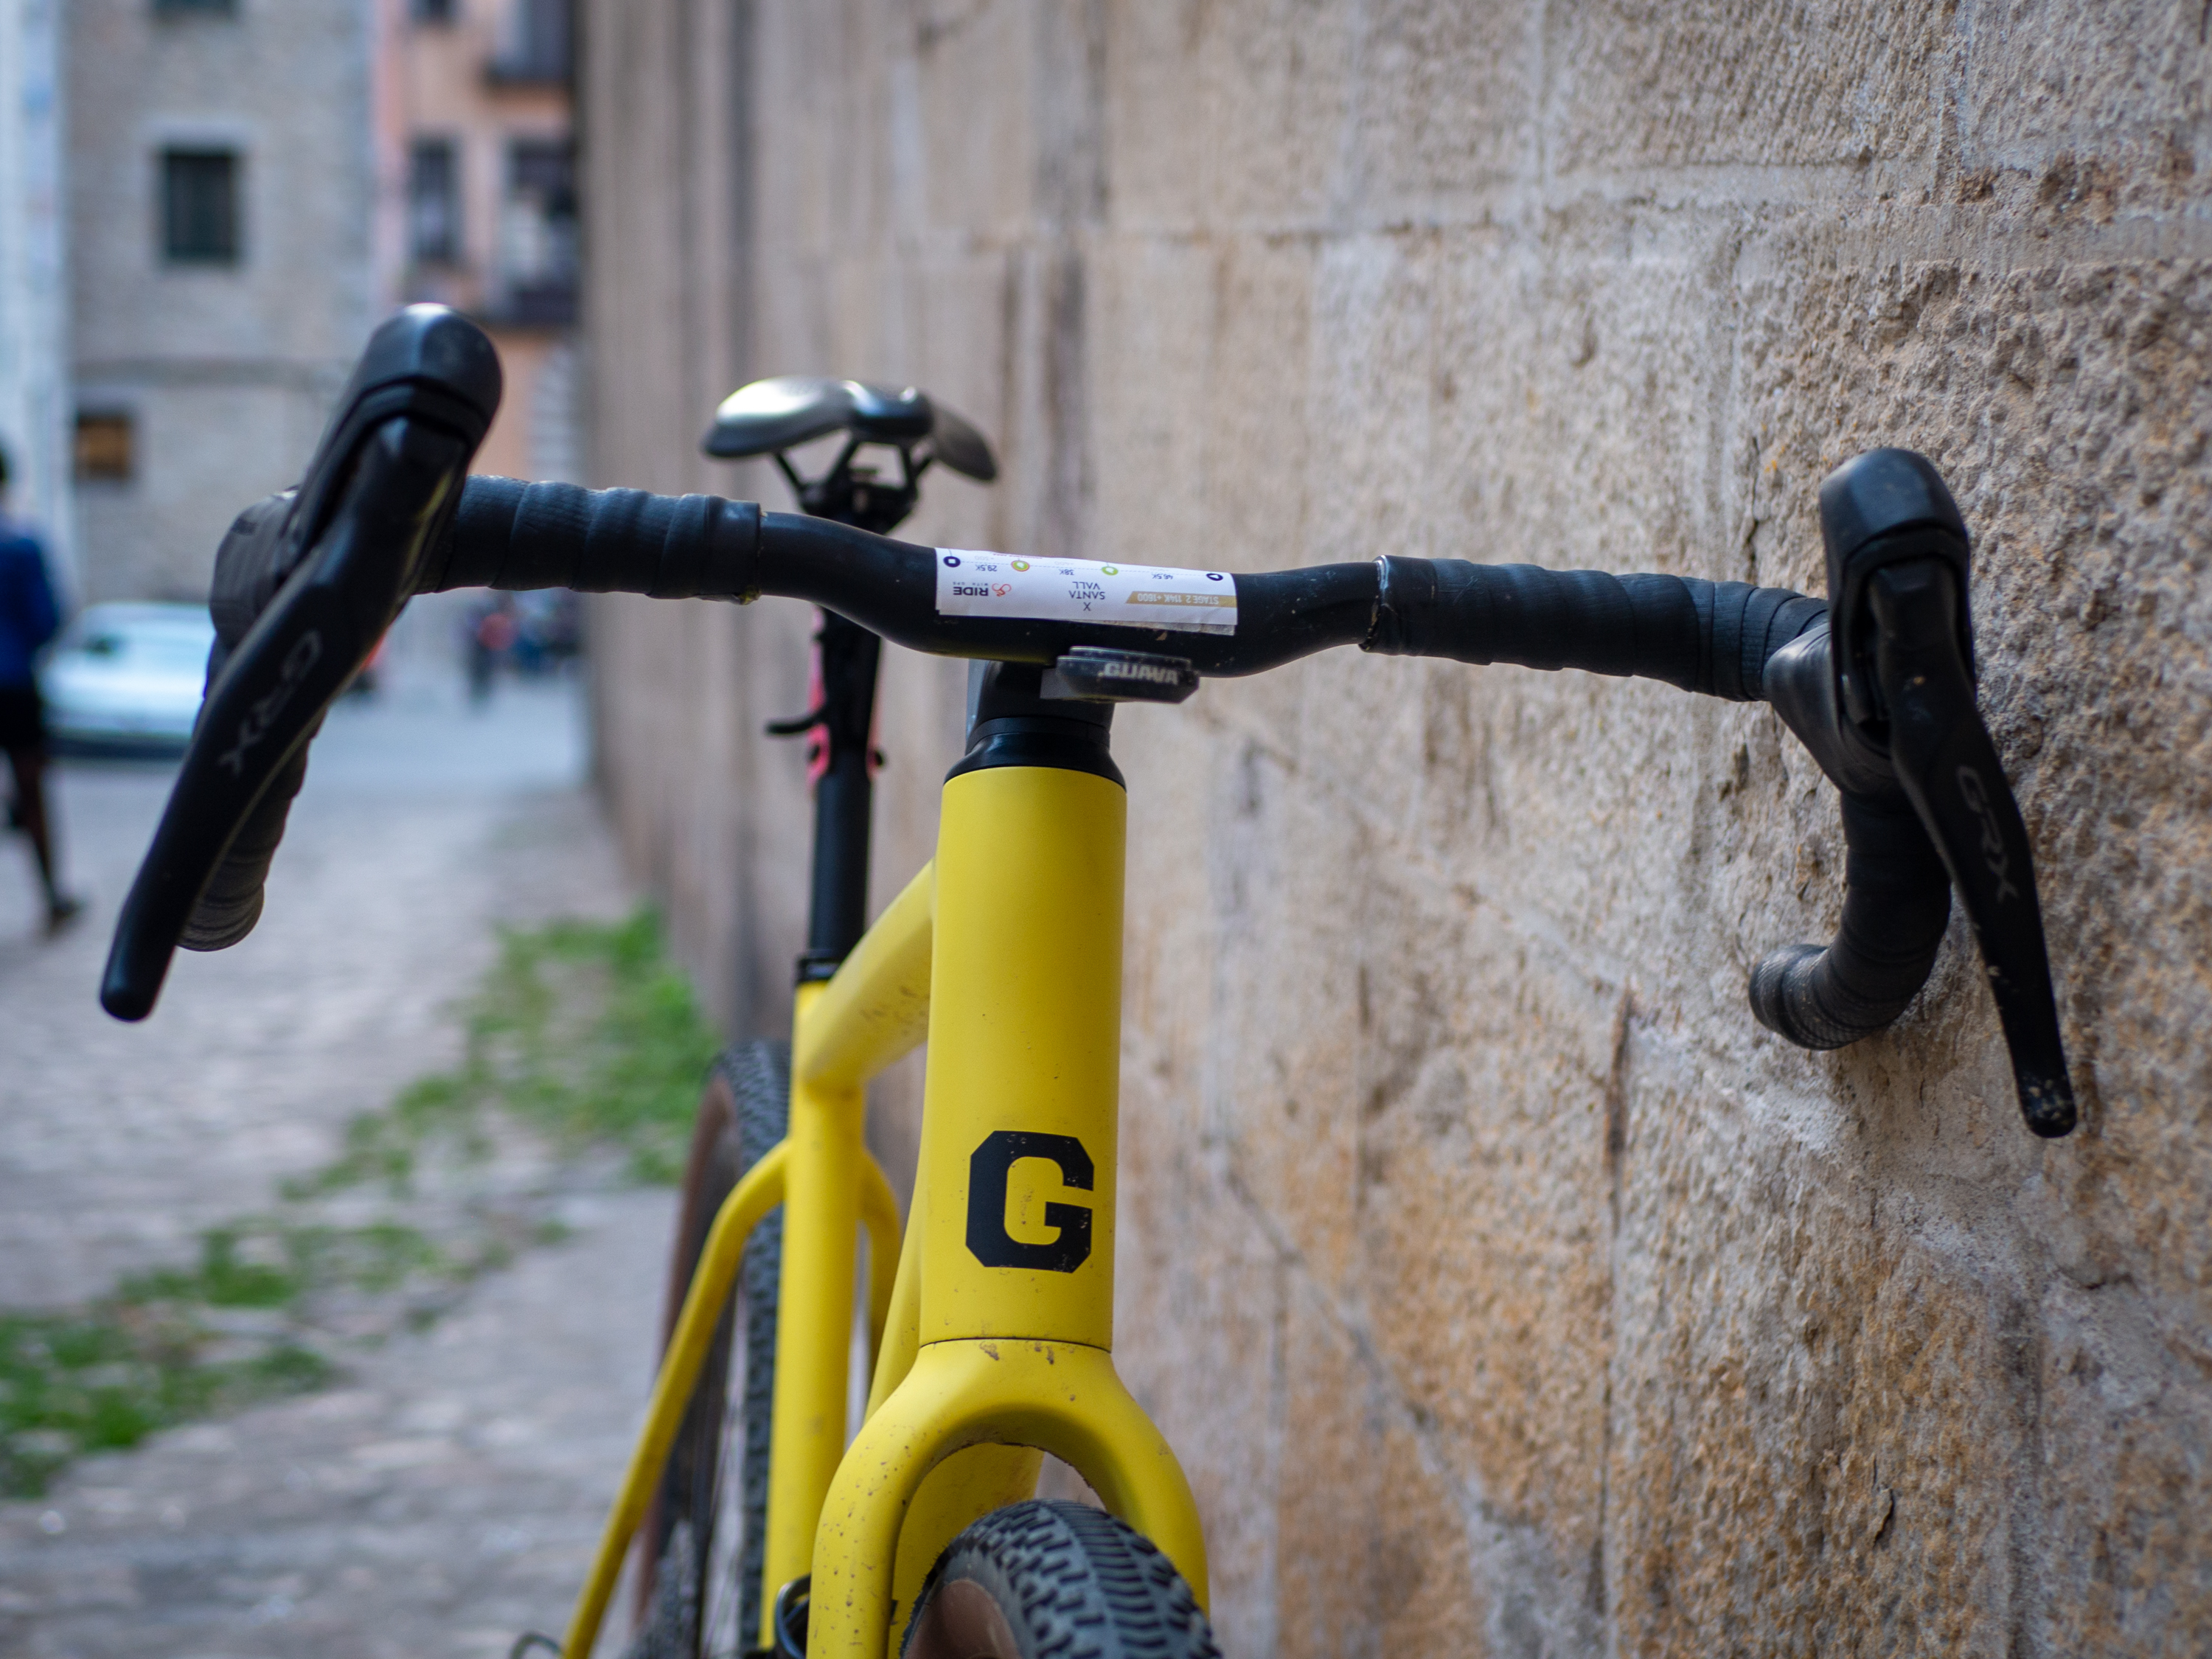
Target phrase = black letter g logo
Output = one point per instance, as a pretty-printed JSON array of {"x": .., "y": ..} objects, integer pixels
[{"x": 987, "y": 1238}]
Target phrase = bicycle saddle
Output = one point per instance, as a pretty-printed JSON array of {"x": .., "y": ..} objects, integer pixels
[{"x": 773, "y": 415}]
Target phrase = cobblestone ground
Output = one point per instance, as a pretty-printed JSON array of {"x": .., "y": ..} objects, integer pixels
[
  {"x": 443, "y": 1497},
  {"x": 442, "y": 1502}
]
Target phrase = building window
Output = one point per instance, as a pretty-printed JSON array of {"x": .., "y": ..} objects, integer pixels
[
  {"x": 537, "y": 233},
  {"x": 107, "y": 447},
  {"x": 199, "y": 206},
  {"x": 434, "y": 11},
  {"x": 537, "y": 46},
  {"x": 195, "y": 8},
  {"x": 434, "y": 202}
]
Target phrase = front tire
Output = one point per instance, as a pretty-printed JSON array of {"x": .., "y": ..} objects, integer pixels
[
  {"x": 1056, "y": 1581},
  {"x": 695, "y": 1598}
]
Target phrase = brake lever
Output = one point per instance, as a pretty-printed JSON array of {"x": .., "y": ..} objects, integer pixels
[
  {"x": 383, "y": 480},
  {"x": 1902, "y": 657},
  {"x": 1951, "y": 773}
]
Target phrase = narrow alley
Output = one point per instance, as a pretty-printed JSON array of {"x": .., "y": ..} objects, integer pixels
[{"x": 441, "y": 1496}]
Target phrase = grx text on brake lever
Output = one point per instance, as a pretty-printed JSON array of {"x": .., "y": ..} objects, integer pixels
[{"x": 1884, "y": 698}]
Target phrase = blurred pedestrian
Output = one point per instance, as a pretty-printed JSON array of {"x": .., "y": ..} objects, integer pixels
[
  {"x": 491, "y": 631},
  {"x": 28, "y": 619}
]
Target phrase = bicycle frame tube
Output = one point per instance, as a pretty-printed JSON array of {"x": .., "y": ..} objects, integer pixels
[
  {"x": 992, "y": 1338},
  {"x": 842, "y": 1033},
  {"x": 1014, "y": 1247},
  {"x": 877, "y": 1008},
  {"x": 712, "y": 1287},
  {"x": 822, "y": 1156},
  {"x": 874, "y": 1011}
]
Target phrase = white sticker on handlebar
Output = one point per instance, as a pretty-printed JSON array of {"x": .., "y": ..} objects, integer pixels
[{"x": 972, "y": 584}]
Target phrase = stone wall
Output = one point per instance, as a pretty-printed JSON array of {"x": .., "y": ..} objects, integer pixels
[{"x": 1505, "y": 1287}]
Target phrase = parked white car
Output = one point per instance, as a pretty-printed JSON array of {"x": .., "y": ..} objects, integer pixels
[{"x": 128, "y": 676}]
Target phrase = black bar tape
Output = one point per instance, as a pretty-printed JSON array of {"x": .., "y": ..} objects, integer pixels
[
  {"x": 1719, "y": 639},
  {"x": 511, "y": 535},
  {"x": 1708, "y": 637},
  {"x": 1897, "y": 894},
  {"x": 1897, "y": 903}
]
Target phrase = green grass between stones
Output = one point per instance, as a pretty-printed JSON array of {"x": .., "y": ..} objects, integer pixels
[{"x": 581, "y": 1031}]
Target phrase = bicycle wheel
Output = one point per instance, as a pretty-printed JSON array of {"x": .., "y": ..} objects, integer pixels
[
  {"x": 699, "y": 1593},
  {"x": 1056, "y": 1581}
]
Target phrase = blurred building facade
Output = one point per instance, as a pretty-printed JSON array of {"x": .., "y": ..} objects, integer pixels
[
  {"x": 1503, "y": 1286},
  {"x": 34, "y": 369},
  {"x": 475, "y": 198},
  {"x": 218, "y": 228}
]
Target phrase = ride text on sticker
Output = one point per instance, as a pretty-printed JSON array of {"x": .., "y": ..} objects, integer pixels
[{"x": 974, "y": 583}]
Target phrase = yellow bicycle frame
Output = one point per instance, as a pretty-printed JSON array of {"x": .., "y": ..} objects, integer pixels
[{"x": 993, "y": 1337}]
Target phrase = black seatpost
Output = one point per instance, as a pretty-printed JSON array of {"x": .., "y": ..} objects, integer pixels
[
  {"x": 768, "y": 418},
  {"x": 842, "y": 760},
  {"x": 842, "y": 763}
]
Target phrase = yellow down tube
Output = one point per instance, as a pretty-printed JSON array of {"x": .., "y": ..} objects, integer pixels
[{"x": 1016, "y": 1240}]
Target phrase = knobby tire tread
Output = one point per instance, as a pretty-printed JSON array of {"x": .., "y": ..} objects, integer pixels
[
  {"x": 1073, "y": 1583},
  {"x": 757, "y": 1078}
]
